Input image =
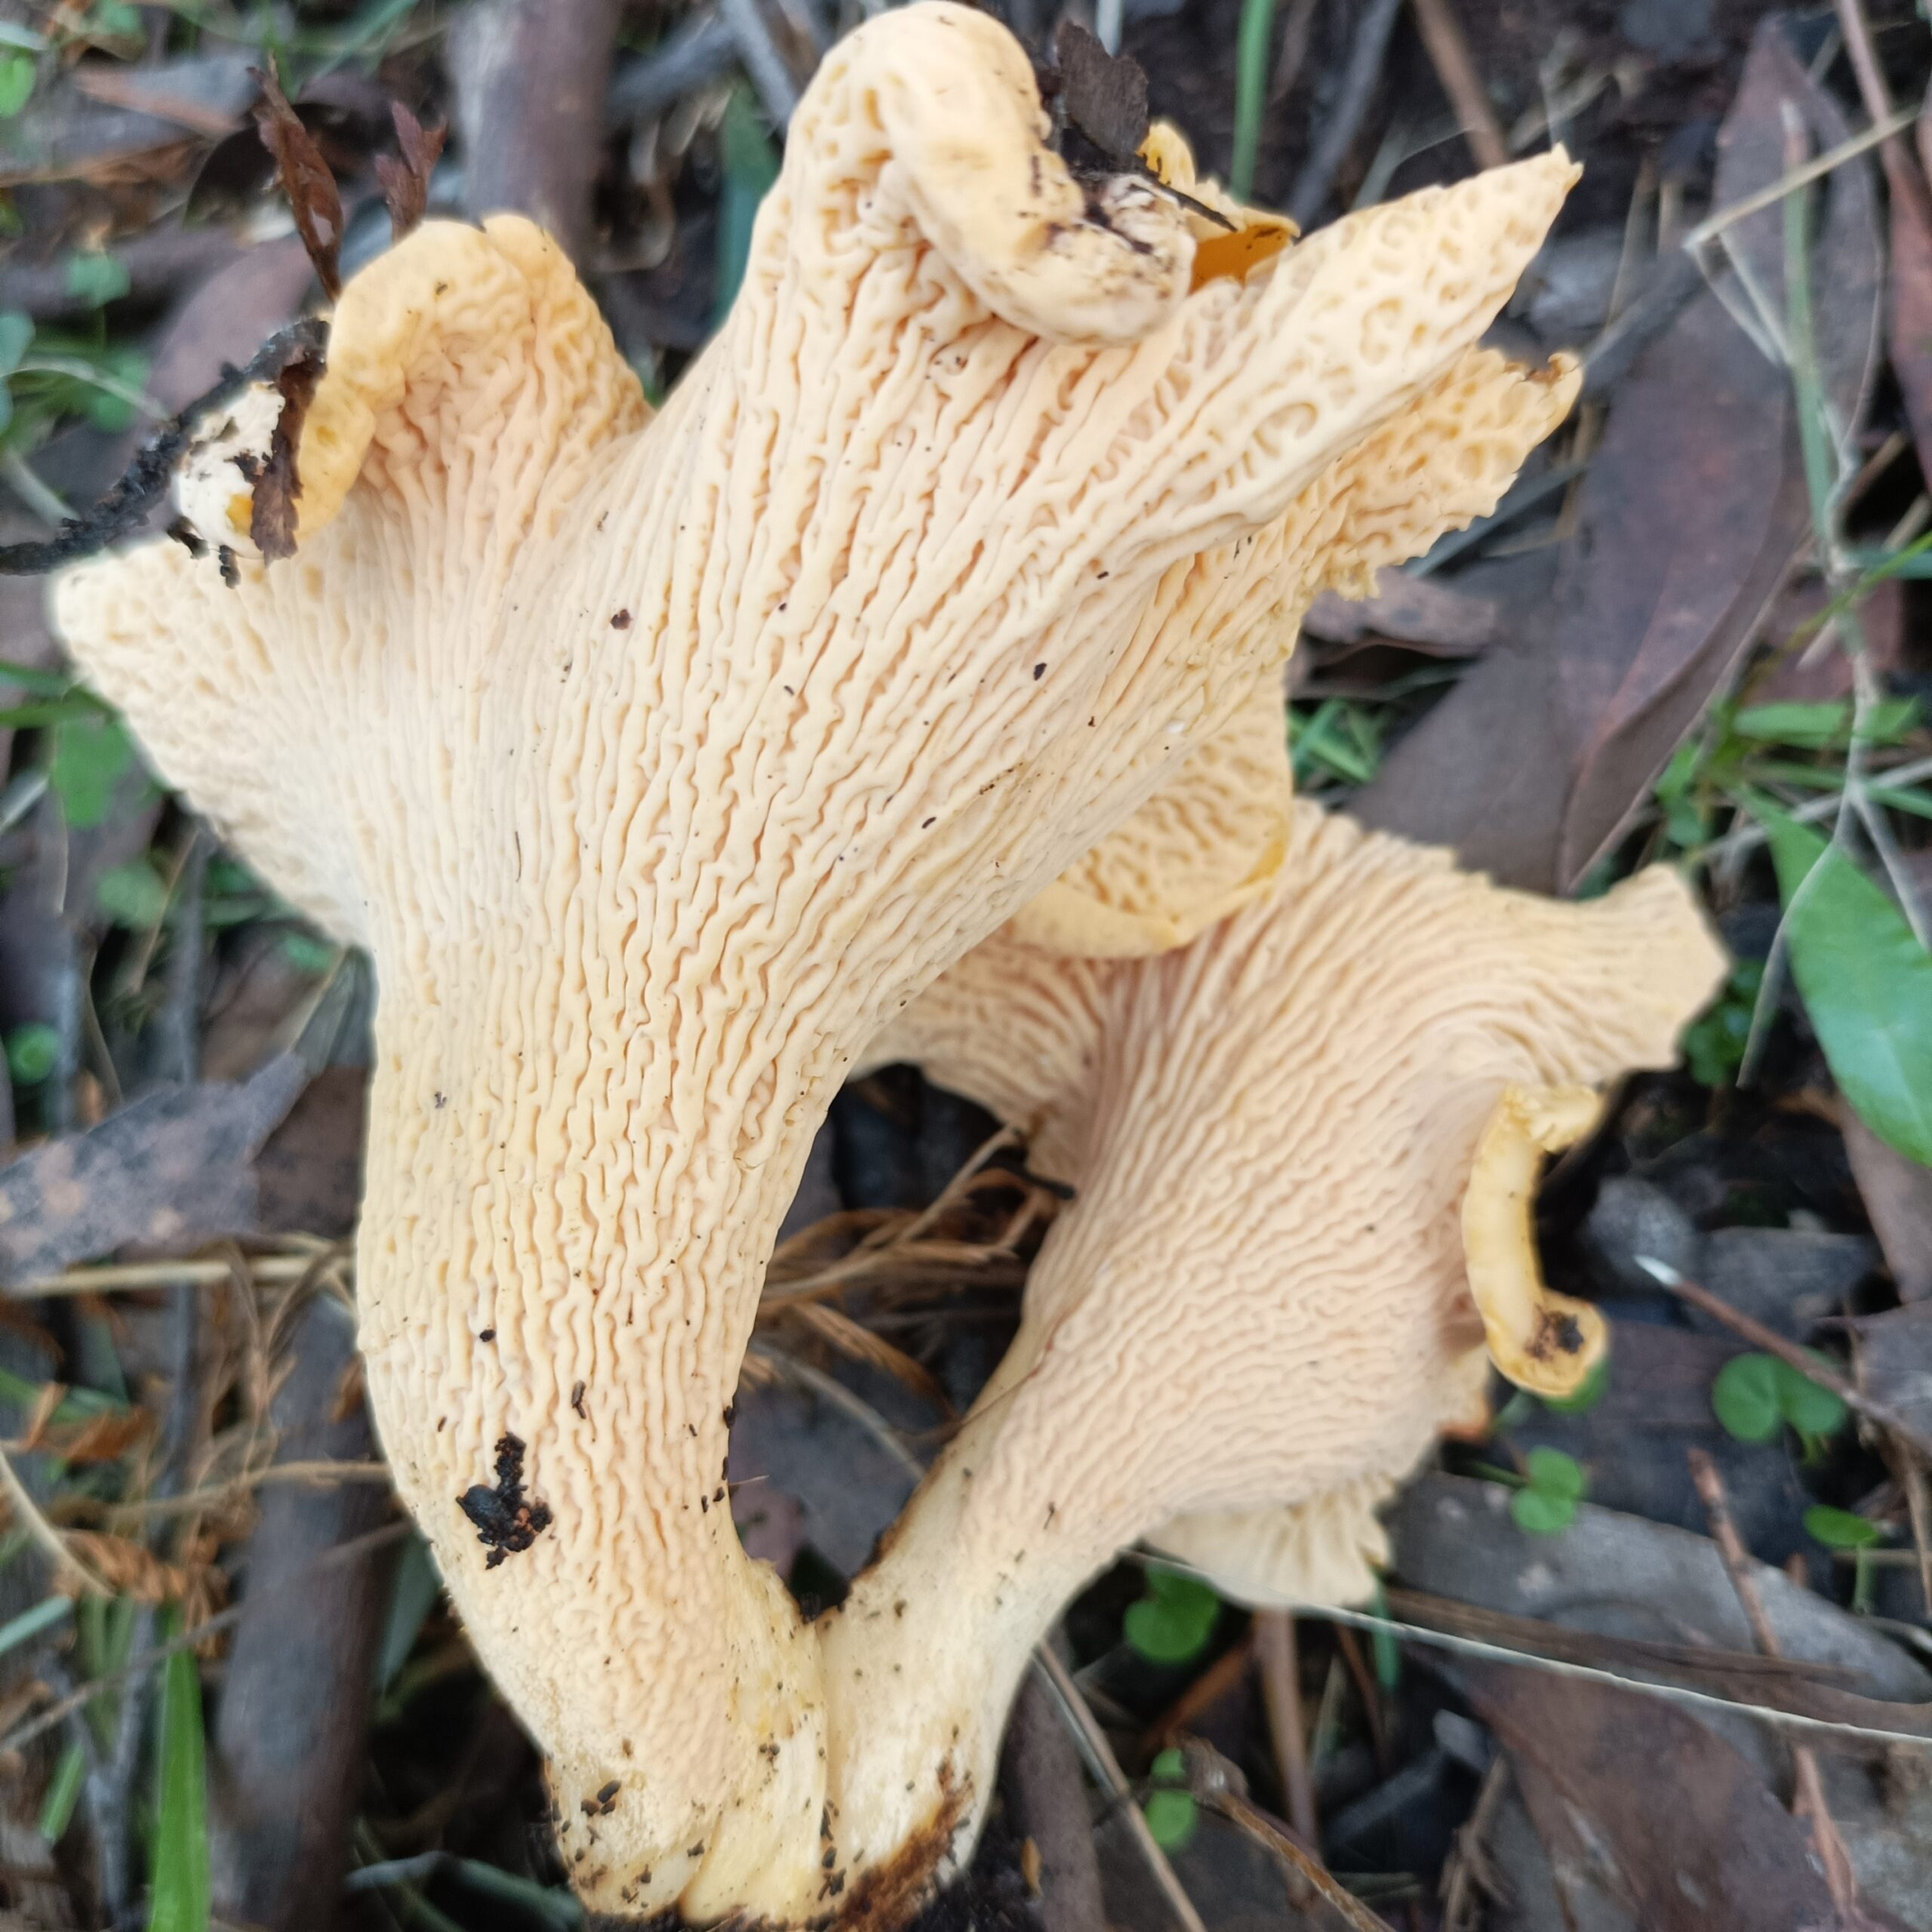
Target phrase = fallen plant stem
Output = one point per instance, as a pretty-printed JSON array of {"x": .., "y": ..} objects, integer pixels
[
  {"x": 1673, "y": 1694},
  {"x": 1105, "y": 1769},
  {"x": 1449, "y": 51},
  {"x": 1212, "y": 1781},
  {"x": 1715, "y": 224},
  {"x": 1808, "y": 1800},
  {"x": 1280, "y": 1694},
  {"x": 1754, "y": 1332}
]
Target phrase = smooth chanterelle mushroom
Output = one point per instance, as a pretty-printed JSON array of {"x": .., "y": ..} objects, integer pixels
[
  {"x": 1257, "y": 1314},
  {"x": 658, "y": 762}
]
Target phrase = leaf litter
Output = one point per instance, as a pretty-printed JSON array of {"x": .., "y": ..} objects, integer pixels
[{"x": 1673, "y": 523}]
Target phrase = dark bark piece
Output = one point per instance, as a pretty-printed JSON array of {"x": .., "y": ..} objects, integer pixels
[
  {"x": 286, "y": 1767},
  {"x": 173, "y": 1168},
  {"x": 1897, "y": 1192},
  {"x": 1669, "y": 1815},
  {"x": 307, "y": 179},
  {"x": 1693, "y": 509},
  {"x": 1041, "y": 1772},
  {"x": 530, "y": 79}
]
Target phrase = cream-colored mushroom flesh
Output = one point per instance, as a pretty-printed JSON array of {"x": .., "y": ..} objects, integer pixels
[
  {"x": 1257, "y": 1313},
  {"x": 658, "y": 762}
]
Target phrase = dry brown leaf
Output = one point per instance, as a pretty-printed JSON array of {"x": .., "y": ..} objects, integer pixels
[
  {"x": 174, "y": 1168},
  {"x": 406, "y": 181},
  {"x": 273, "y": 517},
  {"x": 307, "y": 179},
  {"x": 1692, "y": 511},
  {"x": 1669, "y": 1816}
]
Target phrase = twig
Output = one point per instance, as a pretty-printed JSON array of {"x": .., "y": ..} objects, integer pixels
[
  {"x": 28, "y": 1515},
  {"x": 1809, "y": 1800},
  {"x": 178, "y": 1025},
  {"x": 1343, "y": 121},
  {"x": 1105, "y": 1767},
  {"x": 1212, "y": 1782},
  {"x": 1715, "y": 223},
  {"x": 1208, "y": 1689},
  {"x": 1585, "y": 1673},
  {"x": 1442, "y": 35},
  {"x": 1469, "y": 1869},
  {"x": 1280, "y": 1693},
  {"x": 1903, "y": 176},
  {"x": 530, "y": 76},
  {"x": 1773, "y": 1343}
]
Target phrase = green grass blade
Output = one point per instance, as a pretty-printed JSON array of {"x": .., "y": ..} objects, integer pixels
[
  {"x": 31, "y": 1623},
  {"x": 180, "y": 1900},
  {"x": 1867, "y": 982},
  {"x": 64, "y": 1793},
  {"x": 1257, "y": 30}
]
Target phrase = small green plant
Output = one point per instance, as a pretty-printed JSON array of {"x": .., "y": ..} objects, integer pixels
[
  {"x": 1337, "y": 740},
  {"x": 33, "y": 1051},
  {"x": 1552, "y": 1484},
  {"x": 1714, "y": 1046},
  {"x": 1587, "y": 1395},
  {"x": 134, "y": 895},
  {"x": 17, "y": 79},
  {"x": 1756, "y": 1395},
  {"x": 1855, "y": 1536},
  {"x": 1170, "y": 1810},
  {"x": 1173, "y": 1622},
  {"x": 90, "y": 756},
  {"x": 1866, "y": 979}
]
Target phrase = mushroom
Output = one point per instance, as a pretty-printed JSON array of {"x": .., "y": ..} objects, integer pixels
[
  {"x": 658, "y": 762},
  {"x": 1299, "y": 1148}
]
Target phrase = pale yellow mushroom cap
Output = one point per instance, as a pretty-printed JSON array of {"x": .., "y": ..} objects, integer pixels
[
  {"x": 657, "y": 762},
  {"x": 1258, "y": 1312}
]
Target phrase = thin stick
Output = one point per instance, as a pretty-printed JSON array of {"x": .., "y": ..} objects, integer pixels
[
  {"x": 1212, "y": 1780},
  {"x": 1105, "y": 1769},
  {"x": 27, "y": 1513},
  {"x": 1714, "y": 224},
  {"x": 1280, "y": 1693},
  {"x": 1585, "y": 1673},
  {"x": 1809, "y": 1797},
  {"x": 1442, "y": 35},
  {"x": 1773, "y": 1343},
  {"x": 1903, "y": 176}
]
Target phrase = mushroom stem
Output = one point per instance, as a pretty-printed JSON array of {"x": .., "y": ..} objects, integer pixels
[
  {"x": 1542, "y": 1341},
  {"x": 552, "y": 1329}
]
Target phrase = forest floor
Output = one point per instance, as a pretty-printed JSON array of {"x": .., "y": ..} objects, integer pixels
[{"x": 1694, "y": 623}]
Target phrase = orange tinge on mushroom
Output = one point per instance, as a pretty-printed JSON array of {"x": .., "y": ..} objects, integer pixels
[
  {"x": 1256, "y": 1314},
  {"x": 657, "y": 763}
]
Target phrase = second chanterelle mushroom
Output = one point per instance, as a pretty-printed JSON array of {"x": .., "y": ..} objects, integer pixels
[
  {"x": 658, "y": 763},
  {"x": 1304, "y": 1150}
]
